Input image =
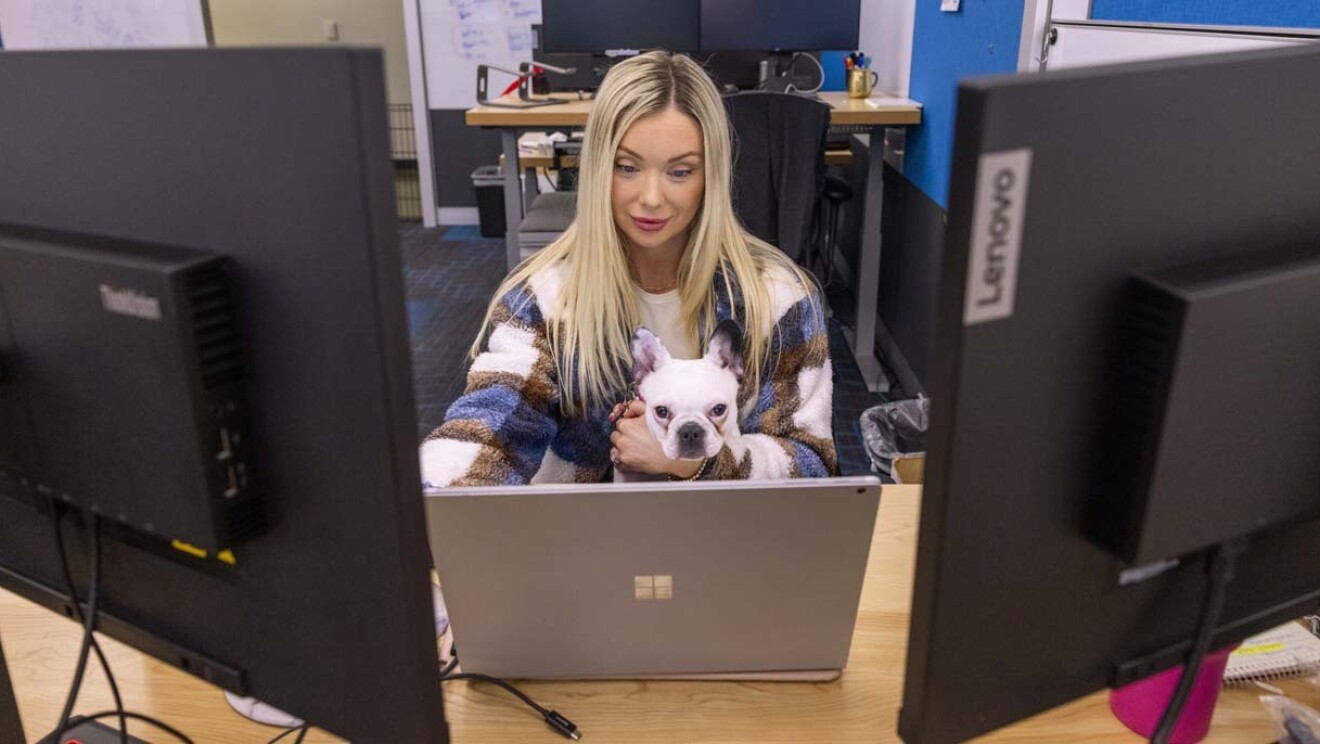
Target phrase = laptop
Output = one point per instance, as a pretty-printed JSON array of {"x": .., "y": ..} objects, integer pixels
[{"x": 718, "y": 580}]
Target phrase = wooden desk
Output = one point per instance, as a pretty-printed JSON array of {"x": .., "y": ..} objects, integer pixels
[
  {"x": 877, "y": 113},
  {"x": 861, "y": 707}
]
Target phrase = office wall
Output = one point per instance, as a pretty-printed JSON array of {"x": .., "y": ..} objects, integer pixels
[
  {"x": 980, "y": 39},
  {"x": 280, "y": 22},
  {"x": 1303, "y": 14},
  {"x": 886, "y": 34}
]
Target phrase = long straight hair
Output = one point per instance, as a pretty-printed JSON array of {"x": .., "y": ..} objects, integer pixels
[{"x": 591, "y": 326}]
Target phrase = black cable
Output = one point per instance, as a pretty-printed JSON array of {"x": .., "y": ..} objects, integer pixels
[
  {"x": 137, "y": 717},
  {"x": 78, "y": 613},
  {"x": 557, "y": 722},
  {"x": 285, "y": 733},
  {"x": 93, "y": 600},
  {"x": 449, "y": 667},
  {"x": 1221, "y": 572},
  {"x": 302, "y": 733},
  {"x": 501, "y": 683}
]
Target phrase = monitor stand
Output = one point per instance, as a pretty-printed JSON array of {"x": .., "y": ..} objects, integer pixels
[{"x": 11, "y": 726}]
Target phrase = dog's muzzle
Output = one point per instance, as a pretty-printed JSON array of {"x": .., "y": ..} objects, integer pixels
[{"x": 691, "y": 441}]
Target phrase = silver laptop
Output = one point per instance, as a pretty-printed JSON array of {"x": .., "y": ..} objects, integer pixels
[{"x": 730, "y": 578}]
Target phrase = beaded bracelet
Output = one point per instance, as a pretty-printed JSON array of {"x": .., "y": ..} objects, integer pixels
[{"x": 705, "y": 465}]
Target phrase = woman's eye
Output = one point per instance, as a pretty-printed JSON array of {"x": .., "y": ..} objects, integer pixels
[
  {"x": 662, "y": 412},
  {"x": 718, "y": 410},
  {"x": 625, "y": 168},
  {"x": 680, "y": 174}
]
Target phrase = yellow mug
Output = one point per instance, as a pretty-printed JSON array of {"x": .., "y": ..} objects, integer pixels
[{"x": 860, "y": 82}]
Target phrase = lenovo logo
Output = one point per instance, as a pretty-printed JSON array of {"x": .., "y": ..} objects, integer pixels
[
  {"x": 129, "y": 302},
  {"x": 1001, "y": 196}
]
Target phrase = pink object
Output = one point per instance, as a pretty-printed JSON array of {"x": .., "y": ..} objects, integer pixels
[{"x": 1141, "y": 704}]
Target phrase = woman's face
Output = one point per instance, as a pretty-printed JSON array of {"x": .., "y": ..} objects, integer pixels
[{"x": 659, "y": 181}]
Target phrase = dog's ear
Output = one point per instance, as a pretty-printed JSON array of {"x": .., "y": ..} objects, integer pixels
[
  {"x": 726, "y": 347},
  {"x": 649, "y": 353}
]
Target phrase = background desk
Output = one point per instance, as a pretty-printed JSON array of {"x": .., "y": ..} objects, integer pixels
[
  {"x": 862, "y": 707},
  {"x": 886, "y": 112}
]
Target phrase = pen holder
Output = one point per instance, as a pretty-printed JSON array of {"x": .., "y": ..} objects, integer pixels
[
  {"x": 1141, "y": 704},
  {"x": 860, "y": 82}
]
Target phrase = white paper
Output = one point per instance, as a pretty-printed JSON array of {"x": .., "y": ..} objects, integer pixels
[
  {"x": 949, "y": 6},
  {"x": 890, "y": 101}
]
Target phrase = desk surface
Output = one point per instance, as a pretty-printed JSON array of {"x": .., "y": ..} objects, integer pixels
[
  {"x": 882, "y": 111},
  {"x": 863, "y": 706}
]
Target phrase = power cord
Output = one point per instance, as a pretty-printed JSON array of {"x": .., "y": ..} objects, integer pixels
[
  {"x": 78, "y": 614},
  {"x": 89, "y": 641},
  {"x": 554, "y": 720},
  {"x": 300, "y": 730},
  {"x": 1221, "y": 572},
  {"x": 792, "y": 66},
  {"x": 93, "y": 601}
]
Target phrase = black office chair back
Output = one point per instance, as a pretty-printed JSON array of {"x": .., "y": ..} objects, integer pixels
[{"x": 778, "y": 165}]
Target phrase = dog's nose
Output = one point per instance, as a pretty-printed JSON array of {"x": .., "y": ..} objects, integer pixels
[{"x": 690, "y": 433}]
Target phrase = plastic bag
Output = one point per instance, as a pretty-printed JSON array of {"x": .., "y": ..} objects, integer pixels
[
  {"x": 1299, "y": 723},
  {"x": 895, "y": 430}
]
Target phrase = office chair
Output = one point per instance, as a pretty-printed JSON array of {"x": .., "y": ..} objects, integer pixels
[
  {"x": 837, "y": 191},
  {"x": 778, "y": 166}
]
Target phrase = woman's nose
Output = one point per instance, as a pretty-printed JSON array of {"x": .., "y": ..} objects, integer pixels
[{"x": 652, "y": 191}]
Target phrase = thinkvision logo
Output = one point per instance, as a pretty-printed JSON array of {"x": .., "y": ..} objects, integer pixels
[
  {"x": 129, "y": 302},
  {"x": 1001, "y": 196}
]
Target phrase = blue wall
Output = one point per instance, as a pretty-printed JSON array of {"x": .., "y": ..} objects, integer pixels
[
  {"x": 1281, "y": 13},
  {"x": 980, "y": 39}
]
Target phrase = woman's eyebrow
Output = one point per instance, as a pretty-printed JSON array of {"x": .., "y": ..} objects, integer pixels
[
  {"x": 630, "y": 153},
  {"x": 689, "y": 154}
]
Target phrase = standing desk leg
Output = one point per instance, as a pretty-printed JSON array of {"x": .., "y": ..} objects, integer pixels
[
  {"x": 530, "y": 187},
  {"x": 868, "y": 271},
  {"x": 11, "y": 726},
  {"x": 513, "y": 211}
]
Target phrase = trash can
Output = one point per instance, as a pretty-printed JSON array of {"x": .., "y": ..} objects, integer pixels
[
  {"x": 489, "y": 185},
  {"x": 895, "y": 438}
]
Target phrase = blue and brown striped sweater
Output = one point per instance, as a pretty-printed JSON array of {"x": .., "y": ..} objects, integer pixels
[{"x": 507, "y": 427}]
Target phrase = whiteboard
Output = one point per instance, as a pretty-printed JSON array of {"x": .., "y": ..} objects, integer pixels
[
  {"x": 458, "y": 35},
  {"x": 99, "y": 24},
  {"x": 1082, "y": 45}
]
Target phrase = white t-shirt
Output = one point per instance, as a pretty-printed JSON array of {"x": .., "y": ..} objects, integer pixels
[{"x": 660, "y": 313}]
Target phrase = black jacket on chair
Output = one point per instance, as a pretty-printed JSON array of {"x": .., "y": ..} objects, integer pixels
[{"x": 778, "y": 165}]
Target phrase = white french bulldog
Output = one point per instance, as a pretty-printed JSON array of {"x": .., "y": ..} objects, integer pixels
[{"x": 691, "y": 404}]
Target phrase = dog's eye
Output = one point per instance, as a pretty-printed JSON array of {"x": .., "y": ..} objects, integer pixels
[
  {"x": 718, "y": 410},
  {"x": 662, "y": 412}
]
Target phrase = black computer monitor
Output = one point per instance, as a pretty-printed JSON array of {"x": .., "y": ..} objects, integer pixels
[
  {"x": 779, "y": 25},
  {"x": 1126, "y": 373},
  {"x": 597, "y": 26},
  {"x": 221, "y": 222}
]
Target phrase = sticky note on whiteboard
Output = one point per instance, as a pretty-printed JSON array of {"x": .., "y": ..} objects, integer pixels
[{"x": 949, "y": 6}]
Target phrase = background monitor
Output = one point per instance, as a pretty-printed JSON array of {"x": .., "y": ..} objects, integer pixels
[
  {"x": 1200, "y": 175},
  {"x": 594, "y": 26},
  {"x": 276, "y": 162},
  {"x": 779, "y": 25}
]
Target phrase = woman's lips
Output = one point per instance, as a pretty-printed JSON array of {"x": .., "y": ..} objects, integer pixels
[{"x": 649, "y": 224}]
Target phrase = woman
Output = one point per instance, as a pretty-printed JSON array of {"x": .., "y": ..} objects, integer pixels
[{"x": 656, "y": 244}]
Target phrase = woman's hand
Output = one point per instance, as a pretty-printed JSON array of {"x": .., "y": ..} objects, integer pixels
[{"x": 636, "y": 450}]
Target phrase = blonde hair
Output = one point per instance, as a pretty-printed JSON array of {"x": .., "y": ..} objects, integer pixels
[{"x": 590, "y": 330}]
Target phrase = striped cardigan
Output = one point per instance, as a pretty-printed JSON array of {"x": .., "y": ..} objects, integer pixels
[{"x": 507, "y": 428}]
